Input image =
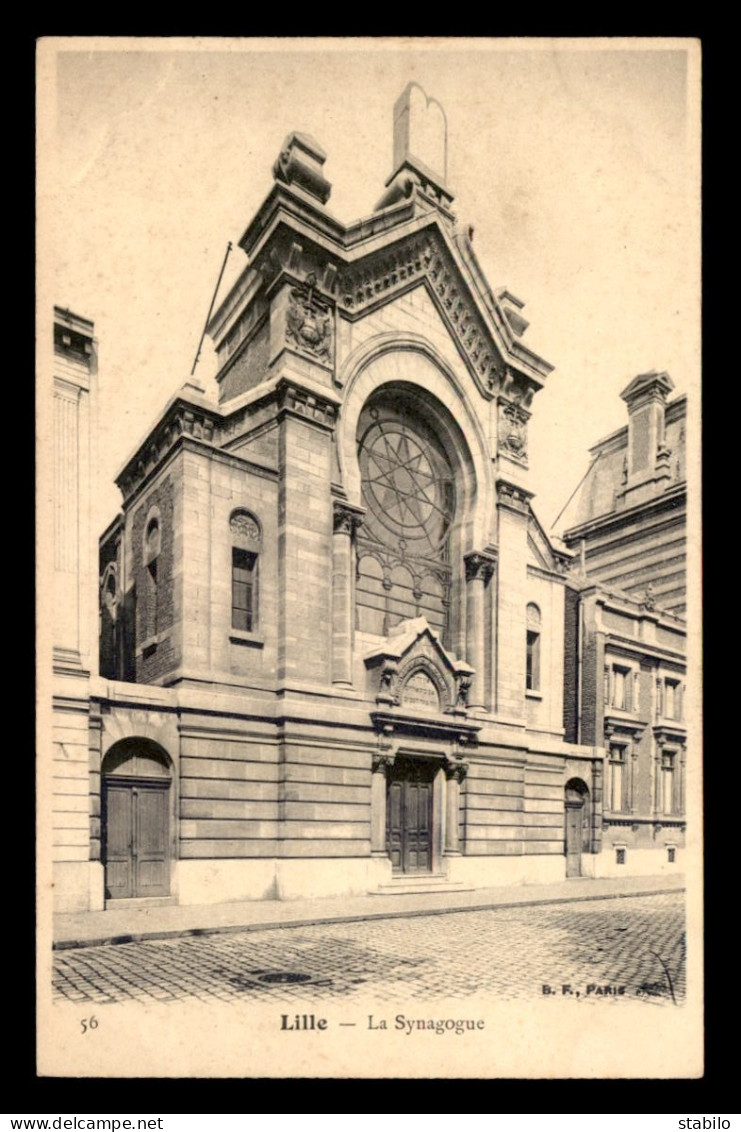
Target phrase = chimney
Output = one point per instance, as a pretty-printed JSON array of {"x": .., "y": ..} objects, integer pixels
[{"x": 648, "y": 457}]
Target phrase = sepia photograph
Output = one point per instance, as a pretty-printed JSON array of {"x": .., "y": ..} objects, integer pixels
[{"x": 369, "y": 676}]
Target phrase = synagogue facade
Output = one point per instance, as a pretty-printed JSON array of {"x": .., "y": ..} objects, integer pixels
[{"x": 334, "y": 637}]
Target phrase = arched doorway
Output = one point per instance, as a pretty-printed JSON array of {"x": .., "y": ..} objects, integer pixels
[
  {"x": 576, "y": 804},
  {"x": 136, "y": 789}
]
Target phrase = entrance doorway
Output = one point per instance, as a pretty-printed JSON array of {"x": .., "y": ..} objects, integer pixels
[
  {"x": 136, "y": 822},
  {"x": 409, "y": 815},
  {"x": 577, "y": 825}
]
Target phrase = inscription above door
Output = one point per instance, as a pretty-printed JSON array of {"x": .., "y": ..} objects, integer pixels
[{"x": 420, "y": 691}]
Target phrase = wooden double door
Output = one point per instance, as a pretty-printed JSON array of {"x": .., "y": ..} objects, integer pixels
[
  {"x": 409, "y": 792},
  {"x": 136, "y": 837}
]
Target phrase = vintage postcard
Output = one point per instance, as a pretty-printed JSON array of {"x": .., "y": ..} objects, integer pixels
[{"x": 369, "y": 735}]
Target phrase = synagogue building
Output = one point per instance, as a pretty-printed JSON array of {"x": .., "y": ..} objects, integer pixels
[{"x": 338, "y": 652}]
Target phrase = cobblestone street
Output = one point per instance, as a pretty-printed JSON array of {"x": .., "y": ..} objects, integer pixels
[{"x": 636, "y": 942}]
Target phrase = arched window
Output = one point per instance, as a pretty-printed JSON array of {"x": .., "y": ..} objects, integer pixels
[
  {"x": 246, "y": 537},
  {"x": 409, "y": 494},
  {"x": 532, "y": 662},
  {"x": 151, "y": 553}
]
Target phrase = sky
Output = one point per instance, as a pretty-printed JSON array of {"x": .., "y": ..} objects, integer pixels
[{"x": 576, "y": 163}]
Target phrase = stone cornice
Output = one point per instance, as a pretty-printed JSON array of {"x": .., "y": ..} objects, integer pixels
[
  {"x": 307, "y": 404},
  {"x": 513, "y": 496},
  {"x": 669, "y": 731},
  {"x": 618, "y": 725},
  {"x": 667, "y": 500},
  {"x": 395, "y": 720}
]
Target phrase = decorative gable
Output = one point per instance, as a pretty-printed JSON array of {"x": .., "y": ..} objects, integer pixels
[{"x": 412, "y": 671}]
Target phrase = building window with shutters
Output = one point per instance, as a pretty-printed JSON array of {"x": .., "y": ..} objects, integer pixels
[
  {"x": 532, "y": 657},
  {"x": 246, "y": 538}
]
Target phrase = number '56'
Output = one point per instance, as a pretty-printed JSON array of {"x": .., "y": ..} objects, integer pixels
[{"x": 89, "y": 1024}]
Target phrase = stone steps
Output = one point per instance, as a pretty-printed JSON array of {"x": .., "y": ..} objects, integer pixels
[{"x": 409, "y": 885}]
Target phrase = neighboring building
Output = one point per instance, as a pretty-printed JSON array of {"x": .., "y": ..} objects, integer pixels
[
  {"x": 73, "y": 620},
  {"x": 625, "y": 644},
  {"x": 628, "y": 519},
  {"x": 331, "y": 627}
]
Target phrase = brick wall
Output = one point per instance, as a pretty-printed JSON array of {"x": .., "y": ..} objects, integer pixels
[
  {"x": 159, "y": 658},
  {"x": 249, "y": 369},
  {"x": 570, "y": 665}
]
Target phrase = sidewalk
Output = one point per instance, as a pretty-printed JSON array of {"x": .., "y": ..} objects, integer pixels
[{"x": 121, "y": 925}]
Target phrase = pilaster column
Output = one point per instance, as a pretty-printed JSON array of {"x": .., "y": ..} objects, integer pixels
[
  {"x": 382, "y": 762},
  {"x": 597, "y": 805},
  {"x": 346, "y": 521},
  {"x": 455, "y": 772},
  {"x": 479, "y": 569}
]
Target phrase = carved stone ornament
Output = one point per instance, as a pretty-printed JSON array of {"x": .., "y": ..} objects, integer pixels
[
  {"x": 382, "y": 761},
  {"x": 463, "y": 689},
  {"x": 513, "y": 430},
  {"x": 456, "y": 768},
  {"x": 346, "y": 520},
  {"x": 649, "y": 602},
  {"x": 309, "y": 321},
  {"x": 387, "y": 682},
  {"x": 478, "y": 566},
  {"x": 424, "y": 258},
  {"x": 244, "y": 525}
]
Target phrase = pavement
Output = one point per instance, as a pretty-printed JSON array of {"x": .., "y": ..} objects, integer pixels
[{"x": 125, "y": 925}]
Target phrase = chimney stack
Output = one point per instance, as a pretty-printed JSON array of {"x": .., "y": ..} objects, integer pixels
[{"x": 647, "y": 459}]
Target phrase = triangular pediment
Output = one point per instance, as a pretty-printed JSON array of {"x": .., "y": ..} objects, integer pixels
[
  {"x": 479, "y": 321},
  {"x": 412, "y": 669}
]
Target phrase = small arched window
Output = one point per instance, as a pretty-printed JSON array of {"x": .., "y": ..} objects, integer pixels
[
  {"x": 150, "y": 554},
  {"x": 532, "y": 662},
  {"x": 246, "y": 538}
]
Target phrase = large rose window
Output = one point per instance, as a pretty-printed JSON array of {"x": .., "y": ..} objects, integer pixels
[{"x": 409, "y": 496}]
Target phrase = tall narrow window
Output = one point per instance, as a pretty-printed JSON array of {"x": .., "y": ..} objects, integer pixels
[
  {"x": 532, "y": 655},
  {"x": 622, "y": 688},
  {"x": 152, "y": 544},
  {"x": 667, "y": 782},
  {"x": 617, "y": 777},
  {"x": 244, "y": 590},
  {"x": 246, "y": 539}
]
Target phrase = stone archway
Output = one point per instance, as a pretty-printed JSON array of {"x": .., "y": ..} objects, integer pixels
[
  {"x": 136, "y": 823},
  {"x": 576, "y": 807}
]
